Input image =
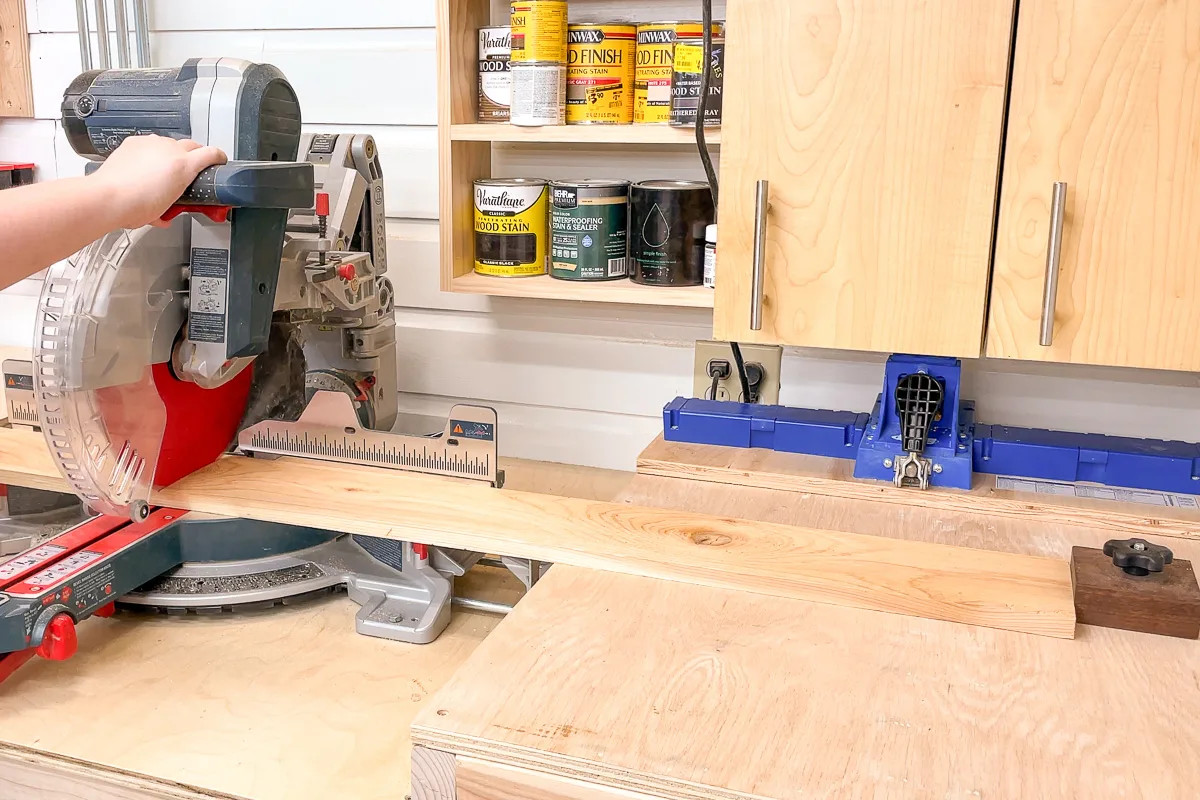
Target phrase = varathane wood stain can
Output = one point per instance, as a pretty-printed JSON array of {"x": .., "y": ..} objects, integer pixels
[
  {"x": 589, "y": 230},
  {"x": 600, "y": 70},
  {"x": 495, "y": 77},
  {"x": 539, "y": 31},
  {"x": 656, "y": 66},
  {"x": 511, "y": 227},
  {"x": 539, "y": 94},
  {"x": 667, "y": 232}
]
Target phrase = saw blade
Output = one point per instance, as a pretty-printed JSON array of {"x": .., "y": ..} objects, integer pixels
[{"x": 329, "y": 430}]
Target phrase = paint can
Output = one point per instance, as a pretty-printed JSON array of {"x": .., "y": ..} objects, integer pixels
[
  {"x": 589, "y": 230},
  {"x": 511, "y": 227},
  {"x": 495, "y": 76},
  {"x": 667, "y": 228},
  {"x": 655, "y": 69},
  {"x": 685, "y": 83},
  {"x": 539, "y": 94},
  {"x": 539, "y": 31},
  {"x": 600, "y": 70}
]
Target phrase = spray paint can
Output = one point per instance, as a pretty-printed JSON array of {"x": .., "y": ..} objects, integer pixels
[
  {"x": 669, "y": 219},
  {"x": 589, "y": 230},
  {"x": 495, "y": 75}
]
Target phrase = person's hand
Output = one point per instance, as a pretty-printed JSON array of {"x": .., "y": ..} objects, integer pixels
[{"x": 146, "y": 174}]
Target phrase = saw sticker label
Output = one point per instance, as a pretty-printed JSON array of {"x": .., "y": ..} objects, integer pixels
[{"x": 210, "y": 281}]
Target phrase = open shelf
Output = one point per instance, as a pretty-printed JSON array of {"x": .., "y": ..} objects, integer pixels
[
  {"x": 581, "y": 134},
  {"x": 543, "y": 287}
]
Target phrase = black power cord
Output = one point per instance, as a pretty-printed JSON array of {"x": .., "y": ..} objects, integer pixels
[{"x": 706, "y": 160}]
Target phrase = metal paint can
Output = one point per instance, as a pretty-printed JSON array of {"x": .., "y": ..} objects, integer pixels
[
  {"x": 600, "y": 70},
  {"x": 495, "y": 76},
  {"x": 656, "y": 66},
  {"x": 539, "y": 94},
  {"x": 685, "y": 83},
  {"x": 539, "y": 31},
  {"x": 511, "y": 227},
  {"x": 589, "y": 230},
  {"x": 669, "y": 219}
]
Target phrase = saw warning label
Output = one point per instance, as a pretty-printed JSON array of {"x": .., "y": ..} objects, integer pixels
[
  {"x": 483, "y": 431},
  {"x": 210, "y": 279}
]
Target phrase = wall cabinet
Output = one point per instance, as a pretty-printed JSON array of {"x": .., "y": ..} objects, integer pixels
[
  {"x": 1106, "y": 99},
  {"x": 878, "y": 126}
]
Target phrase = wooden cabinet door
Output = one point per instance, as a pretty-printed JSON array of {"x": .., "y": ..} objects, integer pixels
[
  {"x": 1106, "y": 98},
  {"x": 878, "y": 124}
]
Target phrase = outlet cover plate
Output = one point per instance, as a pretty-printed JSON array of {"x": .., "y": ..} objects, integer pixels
[{"x": 769, "y": 357}]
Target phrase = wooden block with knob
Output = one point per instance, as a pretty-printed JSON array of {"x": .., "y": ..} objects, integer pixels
[{"x": 1136, "y": 586}]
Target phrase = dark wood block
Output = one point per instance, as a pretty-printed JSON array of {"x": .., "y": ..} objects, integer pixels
[{"x": 1166, "y": 603}]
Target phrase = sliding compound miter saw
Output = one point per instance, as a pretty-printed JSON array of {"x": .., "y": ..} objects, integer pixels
[{"x": 260, "y": 315}]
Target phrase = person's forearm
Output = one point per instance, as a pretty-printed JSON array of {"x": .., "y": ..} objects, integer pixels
[{"x": 47, "y": 222}]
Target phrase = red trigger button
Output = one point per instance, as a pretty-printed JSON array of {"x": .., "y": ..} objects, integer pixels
[{"x": 346, "y": 272}]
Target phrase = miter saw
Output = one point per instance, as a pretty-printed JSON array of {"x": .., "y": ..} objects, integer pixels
[{"x": 259, "y": 314}]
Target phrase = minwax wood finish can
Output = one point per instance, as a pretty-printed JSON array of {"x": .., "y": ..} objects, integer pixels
[
  {"x": 539, "y": 31},
  {"x": 495, "y": 75},
  {"x": 600, "y": 71},
  {"x": 667, "y": 232},
  {"x": 655, "y": 69},
  {"x": 511, "y": 227},
  {"x": 589, "y": 230}
]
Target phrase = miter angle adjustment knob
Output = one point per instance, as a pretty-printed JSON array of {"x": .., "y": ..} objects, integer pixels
[{"x": 1137, "y": 556}]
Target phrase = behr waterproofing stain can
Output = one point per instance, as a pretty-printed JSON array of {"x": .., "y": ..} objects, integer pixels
[
  {"x": 589, "y": 230},
  {"x": 667, "y": 232},
  {"x": 510, "y": 227}
]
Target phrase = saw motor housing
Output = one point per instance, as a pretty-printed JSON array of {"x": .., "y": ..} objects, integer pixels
[{"x": 145, "y": 338}]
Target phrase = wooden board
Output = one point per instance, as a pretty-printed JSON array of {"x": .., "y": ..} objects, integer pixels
[
  {"x": 682, "y": 691},
  {"x": 1104, "y": 99},
  {"x": 1165, "y": 603},
  {"x": 879, "y": 127},
  {"x": 546, "y": 288},
  {"x": 834, "y": 477},
  {"x": 16, "y": 91}
]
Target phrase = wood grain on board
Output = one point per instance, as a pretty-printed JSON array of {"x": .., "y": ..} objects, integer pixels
[
  {"x": 796, "y": 472},
  {"x": 1103, "y": 99},
  {"x": 879, "y": 127},
  {"x": 681, "y": 691},
  {"x": 960, "y": 584},
  {"x": 16, "y": 88}
]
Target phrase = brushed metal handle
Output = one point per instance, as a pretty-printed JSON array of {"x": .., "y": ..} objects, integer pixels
[
  {"x": 762, "y": 204},
  {"x": 1058, "y": 205}
]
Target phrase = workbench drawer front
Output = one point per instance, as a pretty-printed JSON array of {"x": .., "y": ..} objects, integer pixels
[
  {"x": 1101, "y": 187},
  {"x": 878, "y": 128}
]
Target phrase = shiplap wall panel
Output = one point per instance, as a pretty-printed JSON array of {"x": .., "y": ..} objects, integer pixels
[{"x": 573, "y": 382}]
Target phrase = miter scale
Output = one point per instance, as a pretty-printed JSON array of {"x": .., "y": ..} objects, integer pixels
[{"x": 329, "y": 430}]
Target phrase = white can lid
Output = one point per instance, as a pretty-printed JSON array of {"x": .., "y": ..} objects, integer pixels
[{"x": 710, "y": 234}]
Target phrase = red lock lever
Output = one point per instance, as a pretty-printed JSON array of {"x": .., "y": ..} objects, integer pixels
[{"x": 215, "y": 213}]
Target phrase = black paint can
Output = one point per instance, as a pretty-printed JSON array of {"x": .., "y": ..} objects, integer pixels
[{"x": 666, "y": 232}]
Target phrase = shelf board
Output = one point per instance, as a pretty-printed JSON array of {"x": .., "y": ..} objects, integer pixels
[
  {"x": 544, "y": 287},
  {"x": 581, "y": 134}
]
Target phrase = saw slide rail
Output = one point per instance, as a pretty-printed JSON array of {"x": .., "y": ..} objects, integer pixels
[{"x": 46, "y": 591}]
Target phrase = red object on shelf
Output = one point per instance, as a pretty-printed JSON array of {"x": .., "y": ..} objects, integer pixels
[{"x": 215, "y": 213}]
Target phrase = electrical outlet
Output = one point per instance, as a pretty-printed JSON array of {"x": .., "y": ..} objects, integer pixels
[{"x": 768, "y": 358}]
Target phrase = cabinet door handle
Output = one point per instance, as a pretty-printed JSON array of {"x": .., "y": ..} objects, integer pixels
[
  {"x": 762, "y": 205},
  {"x": 1058, "y": 205}
]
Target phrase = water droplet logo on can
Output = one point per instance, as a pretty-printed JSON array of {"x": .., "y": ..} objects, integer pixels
[{"x": 656, "y": 231}]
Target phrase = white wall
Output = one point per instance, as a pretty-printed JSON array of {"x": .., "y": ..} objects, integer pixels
[{"x": 572, "y": 382}]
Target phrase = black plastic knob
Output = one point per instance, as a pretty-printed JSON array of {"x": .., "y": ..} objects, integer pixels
[{"x": 1137, "y": 556}]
